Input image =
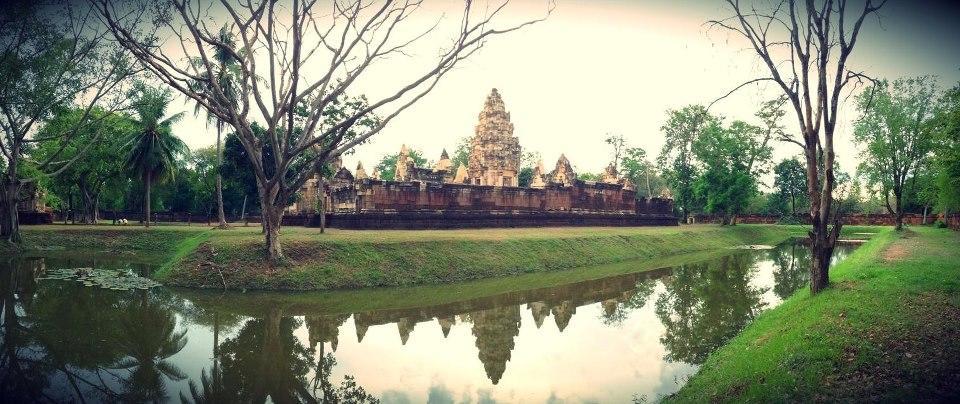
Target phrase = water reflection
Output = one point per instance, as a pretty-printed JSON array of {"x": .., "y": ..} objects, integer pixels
[
  {"x": 633, "y": 333},
  {"x": 706, "y": 304}
]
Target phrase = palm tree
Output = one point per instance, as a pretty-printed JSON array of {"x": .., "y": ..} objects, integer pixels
[
  {"x": 223, "y": 54},
  {"x": 153, "y": 149},
  {"x": 149, "y": 337}
]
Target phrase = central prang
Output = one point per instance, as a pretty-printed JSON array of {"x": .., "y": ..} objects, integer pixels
[{"x": 494, "y": 151}]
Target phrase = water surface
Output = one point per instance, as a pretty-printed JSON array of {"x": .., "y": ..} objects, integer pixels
[{"x": 600, "y": 340}]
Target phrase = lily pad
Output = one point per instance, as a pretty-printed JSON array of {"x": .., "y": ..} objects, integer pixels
[{"x": 124, "y": 279}]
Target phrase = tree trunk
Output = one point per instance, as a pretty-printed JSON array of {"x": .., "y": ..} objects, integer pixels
[
  {"x": 793, "y": 204},
  {"x": 899, "y": 206},
  {"x": 88, "y": 199},
  {"x": 322, "y": 196},
  {"x": 146, "y": 202},
  {"x": 243, "y": 211},
  {"x": 821, "y": 251},
  {"x": 221, "y": 217},
  {"x": 96, "y": 209},
  {"x": 646, "y": 172},
  {"x": 9, "y": 223},
  {"x": 270, "y": 218},
  {"x": 924, "y": 215}
]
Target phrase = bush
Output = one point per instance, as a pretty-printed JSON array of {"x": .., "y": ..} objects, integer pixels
[{"x": 940, "y": 224}]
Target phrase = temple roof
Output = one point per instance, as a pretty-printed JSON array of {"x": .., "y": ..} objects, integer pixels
[
  {"x": 343, "y": 174},
  {"x": 494, "y": 106}
]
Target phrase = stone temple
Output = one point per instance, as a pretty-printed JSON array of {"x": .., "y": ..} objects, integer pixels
[
  {"x": 494, "y": 151},
  {"x": 484, "y": 193}
]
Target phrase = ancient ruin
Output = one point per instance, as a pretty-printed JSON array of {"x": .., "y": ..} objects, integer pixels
[
  {"x": 494, "y": 151},
  {"x": 484, "y": 193}
]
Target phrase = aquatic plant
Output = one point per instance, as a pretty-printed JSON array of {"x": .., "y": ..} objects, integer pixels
[{"x": 122, "y": 279}]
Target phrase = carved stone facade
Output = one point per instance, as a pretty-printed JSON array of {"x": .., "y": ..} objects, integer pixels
[
  {"x": 494, "y": 151},
  {"x": 485, "y": 193},
  {"x": 406, "y": 169}
]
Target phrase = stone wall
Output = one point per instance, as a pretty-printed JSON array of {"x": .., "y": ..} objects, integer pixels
[
  {"x": 468, "y": 220},
  {"x": 376, "y": 204},
  {"x": 372, "y": 196}
]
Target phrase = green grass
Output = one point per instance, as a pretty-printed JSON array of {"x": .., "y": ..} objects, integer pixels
[
  {"x": 884, "y": 331},
  {"x": 157, "y": 245},
  {"x": 357, "y": 259},
  {"x": 340, "y": 259}
]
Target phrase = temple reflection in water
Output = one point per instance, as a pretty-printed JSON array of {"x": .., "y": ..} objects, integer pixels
[{"x": 63, "y": 342}]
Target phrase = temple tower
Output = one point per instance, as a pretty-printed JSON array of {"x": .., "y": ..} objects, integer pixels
[
  {"x": 404, "y": 164},
  {"x": 563, "y": 172},
  {"x": 494, "y": 151}
]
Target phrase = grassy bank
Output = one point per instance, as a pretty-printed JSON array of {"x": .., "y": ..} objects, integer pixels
[
  {"x": 354, "y": 259},
  {"x": 158, "y": 245},
  {"x": 885, "y": 331}
]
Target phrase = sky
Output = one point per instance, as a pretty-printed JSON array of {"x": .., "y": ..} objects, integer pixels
[{"x": 594, "y": 68}]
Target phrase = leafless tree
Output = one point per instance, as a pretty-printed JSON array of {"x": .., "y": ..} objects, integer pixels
[
  {"x": 52, "y": 56},
  {"x": 805, "y": 46},
  {"x": 298, "y": 62}
]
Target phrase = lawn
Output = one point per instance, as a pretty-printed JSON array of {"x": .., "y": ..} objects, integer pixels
[
  {"x": 356, "y": 259},
  {"x": 884, "y": 331},
  {"x": 195, "y": 256}
]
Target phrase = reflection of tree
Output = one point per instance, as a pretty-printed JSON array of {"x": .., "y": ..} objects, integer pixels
[
  {"x": 348, "y": 391},
  {"x": 495, "y": 330},
  {"x": 266, "y": 360},
  {"x": 705, "y": 305},
  {"x": 617, "y": 310},
  {"x": 149, "y": 338},
  {"x": 212, "y": 388},
  {"x": 791, "y": 268},
  {"x": 58, "y": 331},
  {"x": 22, "y": 378}
]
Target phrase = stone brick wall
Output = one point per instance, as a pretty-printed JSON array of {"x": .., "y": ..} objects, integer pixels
[
  {"x": 372, "y": 196},
  {"x": 465, "y": 220}
]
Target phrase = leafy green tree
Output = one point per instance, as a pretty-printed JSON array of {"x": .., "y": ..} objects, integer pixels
[
  {"x": 947, "y": 151},
  {"x": 193, "y": 189},
  {"x": 640, "y": 171},
  {"x": 730, "y": 159},
  {"x": 677, "y": 159},
  {"x": 153, "y": 150},
  {"x": 51, "y": 59},
  {"x": 585, "y": 176},
  {"x": 790, "y": 180},
  {"x": 894, "y": 132},
  {"x": 619, "y": 146},
  {"x": 461, "y": 156},
  {"x": 388, "y": 164},
  {"x": 528, "y": 162},
  {"x": 99, "y": 165},
  {"x": 225, "y": 55}
]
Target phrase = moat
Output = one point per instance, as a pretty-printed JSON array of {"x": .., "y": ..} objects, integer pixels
[{"x": 604, "y": 340}]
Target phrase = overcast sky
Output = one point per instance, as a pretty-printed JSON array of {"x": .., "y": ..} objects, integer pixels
[{"x": 598, "y": 67}]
